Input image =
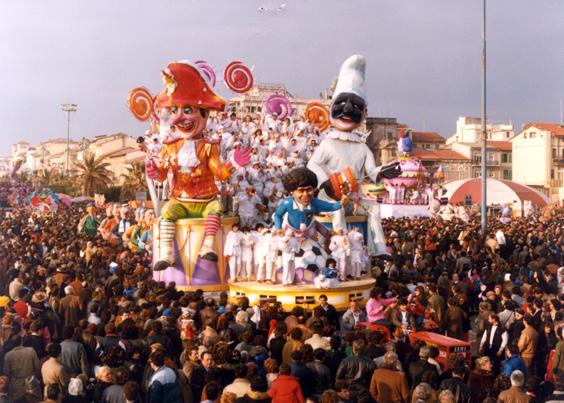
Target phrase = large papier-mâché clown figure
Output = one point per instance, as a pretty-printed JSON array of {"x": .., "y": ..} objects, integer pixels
[
  {"x": 345, "y": 146},
  {"x": 194, "y": 160}
]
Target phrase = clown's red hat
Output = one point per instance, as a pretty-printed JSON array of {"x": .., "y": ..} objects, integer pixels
[{"x": 184, "y": 85}]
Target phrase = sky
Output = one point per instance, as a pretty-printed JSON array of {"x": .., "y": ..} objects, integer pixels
[{"x": 423, "y": 57}]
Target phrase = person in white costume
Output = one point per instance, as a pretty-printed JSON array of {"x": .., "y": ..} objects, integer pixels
[
  {"x": 289, "y": 245},
  {"x": 272, "y": 255},
  {"x": 232, "y": 249},
  {"x": 257, "y": 234},
  {"x": 248, "y": 206},
  {"x": 263, "y": 244},
  {"x": 344, "y": 146},
  {"x": 356, "y": 242},
  {"x": 327, "y": 278},
  {"x": 247, "y": 244},
  {"x": 340, "y": 249}
]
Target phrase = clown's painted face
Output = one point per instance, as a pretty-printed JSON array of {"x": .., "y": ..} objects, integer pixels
[
  {"x": 347, "y": 112},
  {"x": 188, "y": 121}
]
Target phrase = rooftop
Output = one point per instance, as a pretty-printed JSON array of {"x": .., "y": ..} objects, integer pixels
[
  {"x": 427, "y": 137},
  {"x": 554, "y": 128},
  {"x": 500, "y": 145},
  {"x": 437, "y": 155}
]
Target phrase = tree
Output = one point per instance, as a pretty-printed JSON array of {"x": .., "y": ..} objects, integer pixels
[
  {"x": 133, "y": 180},
  {"x": 94, "y": 175},
  {"x": 43, "y": 178}
]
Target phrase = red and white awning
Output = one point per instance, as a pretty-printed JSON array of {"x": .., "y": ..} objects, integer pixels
[{"x": 499, "y": 192}]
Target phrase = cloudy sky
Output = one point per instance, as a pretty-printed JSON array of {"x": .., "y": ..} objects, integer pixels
[{"x": 423, "y": 56}]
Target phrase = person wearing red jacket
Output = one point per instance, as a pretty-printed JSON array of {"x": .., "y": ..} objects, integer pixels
[{"x": 286, "y": 388}]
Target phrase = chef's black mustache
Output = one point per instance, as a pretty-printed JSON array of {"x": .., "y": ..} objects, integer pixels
[{"x": 348, "y": 105}]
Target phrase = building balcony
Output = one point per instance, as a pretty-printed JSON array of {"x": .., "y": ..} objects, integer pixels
[
  {"x": 555, "y": 183},
  {"x": 490, "y": 163}
]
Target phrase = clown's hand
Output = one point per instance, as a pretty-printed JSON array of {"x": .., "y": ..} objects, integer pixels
[
  {"x": 390, "y": 171},
  {"x": 241, "y": 156},
  {"x": 151, "y": 168}
]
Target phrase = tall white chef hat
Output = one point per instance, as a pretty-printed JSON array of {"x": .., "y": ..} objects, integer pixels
[{"x": 352, "y": 77}]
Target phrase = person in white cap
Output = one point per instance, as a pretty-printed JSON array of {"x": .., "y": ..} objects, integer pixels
[
  {"x": 356, "y": 241},
  {"x": 289, "y": 245},
  {"x": 345, "y": 146},
  {"x": 247, "y": 244},
  {"x": 248, "y": 206},
  {"x": 340, "y": 250},
  {"x": 232, "y": 251}
]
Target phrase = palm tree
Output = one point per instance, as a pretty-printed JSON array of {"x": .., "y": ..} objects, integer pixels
[
  {"x": 94, "y": 175},
  {"x": 133, "y": 180},
  {"x": 43, "y": 178}
]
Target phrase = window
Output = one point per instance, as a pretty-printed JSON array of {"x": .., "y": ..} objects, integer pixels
[
  {"x": 552, "y": 174},
  {"x": 506, "y": 174},
  {"x": 554, "y": 153},
  {"x": 505, "y": 158},
  {"x": 532, "y": 135}
]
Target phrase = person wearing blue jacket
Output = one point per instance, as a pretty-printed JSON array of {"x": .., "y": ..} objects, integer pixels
[
  {"x": 163, "y": 386},
  {"x": 513, "y": 362}
]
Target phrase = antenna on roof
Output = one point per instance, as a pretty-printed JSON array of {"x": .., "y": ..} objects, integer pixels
[{"x": 560, "y": 111}]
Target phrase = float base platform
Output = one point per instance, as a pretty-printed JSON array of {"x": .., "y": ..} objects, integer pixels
[
  {"x": 404, "y": 210},
  {"x": 306, "y": 296}
]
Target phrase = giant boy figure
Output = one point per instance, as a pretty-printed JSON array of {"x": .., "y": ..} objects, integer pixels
[
  {"x": 194, "y": 160},
  {"x": 344, "y": 146}
]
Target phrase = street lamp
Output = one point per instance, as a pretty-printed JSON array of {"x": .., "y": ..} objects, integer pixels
[
  {"x": 68, "y": 108},
  {"x": 484, "y": 128}
]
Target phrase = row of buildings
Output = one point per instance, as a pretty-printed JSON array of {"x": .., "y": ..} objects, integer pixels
[
  {"x": 118, "y": 150},
  {"x": 534, "y": 156}
]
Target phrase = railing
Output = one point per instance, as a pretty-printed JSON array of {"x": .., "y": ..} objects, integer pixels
[
  {"x": 556, "y": 183},
  {"x": 488, "y": 162}
]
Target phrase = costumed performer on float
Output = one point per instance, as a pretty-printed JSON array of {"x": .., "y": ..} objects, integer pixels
[
  {"x": 194, "y": 160},
  {"x": 345, "y": 147},
  {"x": 302, "y": 207}
]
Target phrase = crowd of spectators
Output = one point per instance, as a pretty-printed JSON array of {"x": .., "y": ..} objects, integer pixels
[{"x": 83, "y": 321}]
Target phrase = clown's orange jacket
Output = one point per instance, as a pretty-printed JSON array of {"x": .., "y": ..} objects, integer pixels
[{"x": 198, "y": 180}]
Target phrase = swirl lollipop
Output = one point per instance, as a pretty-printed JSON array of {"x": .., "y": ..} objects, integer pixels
[
  {"x": 207, "y": 71},
  {"x": 278, "y": 104},
  {"x": 317, "y": 114},
  {"x": 238, "y": 77},
  {"x": 140, "y": 103}
]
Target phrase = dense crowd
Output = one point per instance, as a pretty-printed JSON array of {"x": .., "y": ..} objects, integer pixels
[{"x": 82, "y": 321}]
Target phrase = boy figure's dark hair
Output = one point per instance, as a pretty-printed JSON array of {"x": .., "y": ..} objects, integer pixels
[{"x": 300, "y": 177}]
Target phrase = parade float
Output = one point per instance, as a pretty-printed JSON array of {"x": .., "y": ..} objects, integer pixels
[
  {"x": 190, "y": 234},
  {"x": 409, "y": 194}
]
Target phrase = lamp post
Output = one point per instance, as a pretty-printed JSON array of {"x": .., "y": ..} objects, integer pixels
[
  {"x": 484, "y": 128},
  {"x": 68, "y": 108}
]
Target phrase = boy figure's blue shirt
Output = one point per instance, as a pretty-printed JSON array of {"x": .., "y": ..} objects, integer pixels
[{"x": 297, "y": 216}]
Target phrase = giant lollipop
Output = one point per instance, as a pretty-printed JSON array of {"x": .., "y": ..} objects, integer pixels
[
  {"x": 207, "y": 71},
  {"x": 278, "y": 104},
  {"x": 238, "y": 77},
  {"x": 140, "y": 103},
  {"x": 317, "y": 114}
]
